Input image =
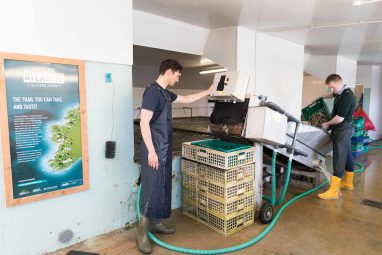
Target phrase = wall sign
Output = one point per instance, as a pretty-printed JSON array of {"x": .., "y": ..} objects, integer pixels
[{"x": 43, "y": 127}]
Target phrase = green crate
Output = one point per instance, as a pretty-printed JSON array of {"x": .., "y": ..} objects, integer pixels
[
  {"x": 219, "y": 145},
  {"x": 359, "y": 133},
  {"x": 357, "y": 147},
  {"x": 317, "y": 106},
  {"x": 358, "y": 123}
]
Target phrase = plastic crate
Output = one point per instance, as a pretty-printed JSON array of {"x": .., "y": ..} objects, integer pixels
[
  {"x": 224, "y": 210},
  {"x": 357, "y": 140},
  {"x": 218, "y": 176},
  {"x": 223, "y": 160},
  {"x": 358, "y": 123},
  {"x": 357, "y": 147},
  {"x": 318, "y": 106},
  {"x": 359, "y": 133},
  {"x": 222, "y": 226},
  {"x": 223, "y": 193},
  {"x": 366, "y": 140},
  {"x": 219, "y": 145},
  {"x": 357, "y": 154}
]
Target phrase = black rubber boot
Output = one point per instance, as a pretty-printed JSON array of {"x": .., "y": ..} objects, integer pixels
[
  {"x": 143, "y": 241},
  {"x": 156, "y": 226}
]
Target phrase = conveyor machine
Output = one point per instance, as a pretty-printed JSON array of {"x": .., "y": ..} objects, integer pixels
[{"x": 268, "y": 128}]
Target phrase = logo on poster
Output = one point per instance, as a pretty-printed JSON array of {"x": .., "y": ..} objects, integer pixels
[{"x": 43, "y": 75}]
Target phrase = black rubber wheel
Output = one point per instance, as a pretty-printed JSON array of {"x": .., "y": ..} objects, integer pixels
[{"x": 266, "y": 213}]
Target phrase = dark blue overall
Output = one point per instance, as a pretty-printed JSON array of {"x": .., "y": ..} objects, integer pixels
[{"x": 156, "y": 184}]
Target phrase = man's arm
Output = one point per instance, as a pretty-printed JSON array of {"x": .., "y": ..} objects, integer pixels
[
  {"x": 146, "y": 116},
  {"x": 193, "y": 97},
  {"x": 336, "y": 120}
]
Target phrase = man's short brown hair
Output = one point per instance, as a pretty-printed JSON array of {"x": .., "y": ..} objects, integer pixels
[
  {"x": 170, "y": 64},
  {"x": 333, "y": 78}
]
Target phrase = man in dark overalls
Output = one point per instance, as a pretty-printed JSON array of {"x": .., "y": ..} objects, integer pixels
[
  {"x": 341, "y": 126},
  {"x": 156, "y": 153}
]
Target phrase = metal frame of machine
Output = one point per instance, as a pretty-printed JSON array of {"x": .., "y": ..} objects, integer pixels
[{"x": 295, "y": 146}]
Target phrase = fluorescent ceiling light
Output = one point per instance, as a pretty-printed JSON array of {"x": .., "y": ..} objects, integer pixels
[
  {"x": 360, "y": 2},
  {"x": 347, "y": 24},
  {"x": 213, "y": 71},
  {"x": 359, "y": 22}
]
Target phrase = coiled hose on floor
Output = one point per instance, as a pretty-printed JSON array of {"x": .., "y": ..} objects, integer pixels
[
  {"x": 379, "y": 145},
  {"x": 245, "y": 244}
]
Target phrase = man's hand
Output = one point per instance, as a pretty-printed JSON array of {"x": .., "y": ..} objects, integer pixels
[
  {"x": 325, "y": 126},
  {"x": 153, "y": 160}
]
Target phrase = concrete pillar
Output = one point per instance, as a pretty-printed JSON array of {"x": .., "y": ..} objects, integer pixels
[{"x": 275, "y": 65}]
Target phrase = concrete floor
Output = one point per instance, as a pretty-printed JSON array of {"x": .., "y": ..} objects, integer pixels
[{"x": 309, "y": 226}]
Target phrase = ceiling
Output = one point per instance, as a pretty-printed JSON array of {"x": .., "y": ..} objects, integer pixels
[
  {"x": 321, "y": 25},
  {"x": 146, "y": 56}
]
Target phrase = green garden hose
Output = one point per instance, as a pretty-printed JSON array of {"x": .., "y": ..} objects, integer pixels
[
  {"x": 245, "y": 244},
  {"x": 286, "y": 182},
  {"x": 379, "y": 145}
]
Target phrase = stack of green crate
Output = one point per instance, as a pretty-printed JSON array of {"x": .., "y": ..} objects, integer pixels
[{"x": 358, "y": 147}]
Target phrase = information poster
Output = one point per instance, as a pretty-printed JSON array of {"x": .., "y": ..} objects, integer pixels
[{"x": 44, "y": 145}]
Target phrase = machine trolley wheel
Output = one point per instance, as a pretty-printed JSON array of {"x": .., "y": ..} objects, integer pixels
[{"x": 266, "y": 213}]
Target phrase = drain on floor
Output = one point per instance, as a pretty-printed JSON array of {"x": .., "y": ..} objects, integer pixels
[{"x": 372, "y": 203}]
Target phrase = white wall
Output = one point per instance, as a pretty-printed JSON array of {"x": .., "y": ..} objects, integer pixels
[
  {"x": 109, "y": 203},
  {"x": 246, "y": 55},
  {"x": 347, "y": 69},
  {"x": 159, "y": 32},
  {"x": 320, "y": 65},
  {"x": 371, "y": 77},
  {"x": 279, "y": 72},
  {"x": 86, "y": 29},
  {"x": 364, "y": 75},
  {"x": 92, "y": 31},
  {"x": 376, "y": 102}
]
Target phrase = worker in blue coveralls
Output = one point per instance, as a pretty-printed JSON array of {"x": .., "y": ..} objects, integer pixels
[
  {"x": 341, "y": 127},
  {"x": 156, "y": 153}
]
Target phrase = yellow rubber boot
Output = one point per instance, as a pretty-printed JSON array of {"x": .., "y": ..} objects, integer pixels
[
  {"x": 347, "y": 183},
  {"x": 334, "y": 190}
]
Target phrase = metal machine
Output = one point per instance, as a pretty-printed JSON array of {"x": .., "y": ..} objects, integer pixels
[
  {"x": 230, "y": 86},
  {"x": 268, "y": 126}
]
